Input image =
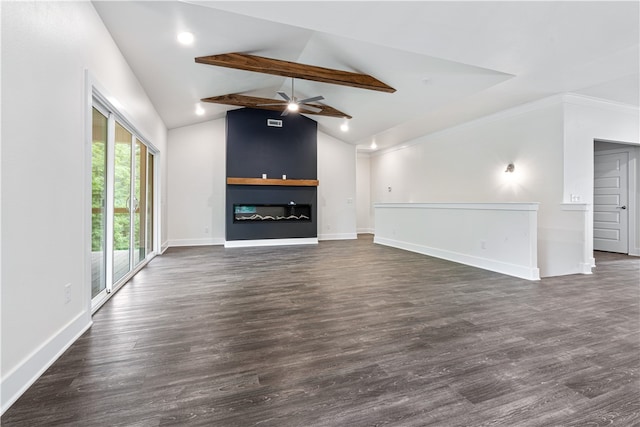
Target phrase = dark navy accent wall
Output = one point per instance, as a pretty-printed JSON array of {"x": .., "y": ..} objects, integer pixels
[{"x": 253, "y": 149}]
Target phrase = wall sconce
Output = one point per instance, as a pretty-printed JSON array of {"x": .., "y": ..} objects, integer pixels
[{"x": 510, "y": 167}]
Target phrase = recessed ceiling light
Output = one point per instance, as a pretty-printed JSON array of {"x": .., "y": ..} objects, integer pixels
[
  {"x": 374, "y": 145},
  {"x": 199, "y": 110},
  {"x": 344, "y": 127},
  {"x": 185, "y": 38}
]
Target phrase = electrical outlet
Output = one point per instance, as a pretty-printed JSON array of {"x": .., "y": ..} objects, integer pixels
[
  {"x": 575, "y": 198},
  {"x": 67, "y": 293},
  {"x": 349, "y": 201},
  {"x": 483, "y": 244},
  {"x": 206, "y": 230}
]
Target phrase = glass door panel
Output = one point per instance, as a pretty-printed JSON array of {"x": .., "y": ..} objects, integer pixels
[
  {"x": 140, "y": 204},
  {"x": 98, "y": 202},
  {"x": 122, "y": 203},
  {"x": 149, "y": 217}
]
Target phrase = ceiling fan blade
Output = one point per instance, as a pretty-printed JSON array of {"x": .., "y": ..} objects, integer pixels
[
  {"x": 312, "y": 99},
  {"x": 285, "y": 112},
  {"x": 284, "y": 96},
  {"x": 310, "y": 108}
]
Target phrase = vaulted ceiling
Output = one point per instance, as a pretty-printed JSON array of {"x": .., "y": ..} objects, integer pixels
[{"x": 450, "y": 61}]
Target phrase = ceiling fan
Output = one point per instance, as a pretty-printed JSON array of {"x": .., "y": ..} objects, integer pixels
[{"x": 294, "y": 104}]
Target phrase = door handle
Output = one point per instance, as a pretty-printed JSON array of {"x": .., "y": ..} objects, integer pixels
[{"x": 622, "y": 207}]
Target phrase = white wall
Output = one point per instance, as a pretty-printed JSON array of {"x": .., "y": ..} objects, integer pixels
[
  {"x": 364, "y": 208},
  {"x": 500, "y": 237},
  {"x": 197, "y": 180},
  {"x": 467, "y": 164},
  {"x": 337, "y": 189},
  {"x": 588, "y": 120},
  {"x": 46, "y": 48},
  {"x": 551, "y": 144}
]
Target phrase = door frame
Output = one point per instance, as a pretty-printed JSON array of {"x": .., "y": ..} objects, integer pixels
[{"x": 633, "y": 186}]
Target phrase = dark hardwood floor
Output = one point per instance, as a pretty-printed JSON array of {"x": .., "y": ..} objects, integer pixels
[{"x": 348, "y": 333}]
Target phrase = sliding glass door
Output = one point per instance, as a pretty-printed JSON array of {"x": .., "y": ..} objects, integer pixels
[
  {"x": 140, "y": 205},
  {"x": 98, "y": 203},
  {"x": 122, "y": 203}
]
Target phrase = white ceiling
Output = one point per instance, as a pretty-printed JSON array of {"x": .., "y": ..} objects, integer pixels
[{"x": 450, "y": 61}]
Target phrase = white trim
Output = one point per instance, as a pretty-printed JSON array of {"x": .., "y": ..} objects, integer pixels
[
  {"x": 157, "y": 207},
  {"x": 99, "y": 300},
  {"x": 338, "y": 236},
  {"x": 20, "y": 378},
  {"x": 633, "y": 172},
  {"x": 103, "y": 96},
  {"x": 195, "y": 242},
  {"x": 109, "y": 200},
  {"x": 486, "y": 264},
  {"x": 585, "y": 267},
  {"x": 270, "y": 242},
  {"x": 164, "y": 247},
  {"x": 365, "y": 231},
  {"x": 590, "y": 101},
  {"x": 516, "y": 206},
  {"x": 87, "y": 174}
]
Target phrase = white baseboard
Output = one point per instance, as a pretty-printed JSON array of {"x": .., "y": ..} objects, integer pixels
[
  {"x": 19, "y": 379},
  {"x": 338, "y": 236},
  {"x": 521, "y": 271},
  {"x": 196, "y": 242},
  {"x": 585, "y": 268},
  {"x": 270, "y": 242},
  {"x": 365, "y": 231}
]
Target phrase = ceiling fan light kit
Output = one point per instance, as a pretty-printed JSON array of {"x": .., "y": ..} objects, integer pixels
[
  {"x": 294, "y": 70},
  {"x": 294, "y": 104}
]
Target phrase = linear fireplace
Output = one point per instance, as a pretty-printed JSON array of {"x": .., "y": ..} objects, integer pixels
[{"x": 258, "y": 212}]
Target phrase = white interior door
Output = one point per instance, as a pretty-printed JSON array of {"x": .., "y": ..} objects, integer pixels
[{"x": 610, "y": 214}]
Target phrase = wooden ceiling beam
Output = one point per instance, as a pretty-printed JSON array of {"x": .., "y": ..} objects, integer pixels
[
  {"x": 256, "y": 102},
  {"x": 259, "y": 64}
]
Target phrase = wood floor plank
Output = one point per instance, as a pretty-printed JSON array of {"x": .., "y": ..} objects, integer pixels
[{"x": 348, "y": 333}]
